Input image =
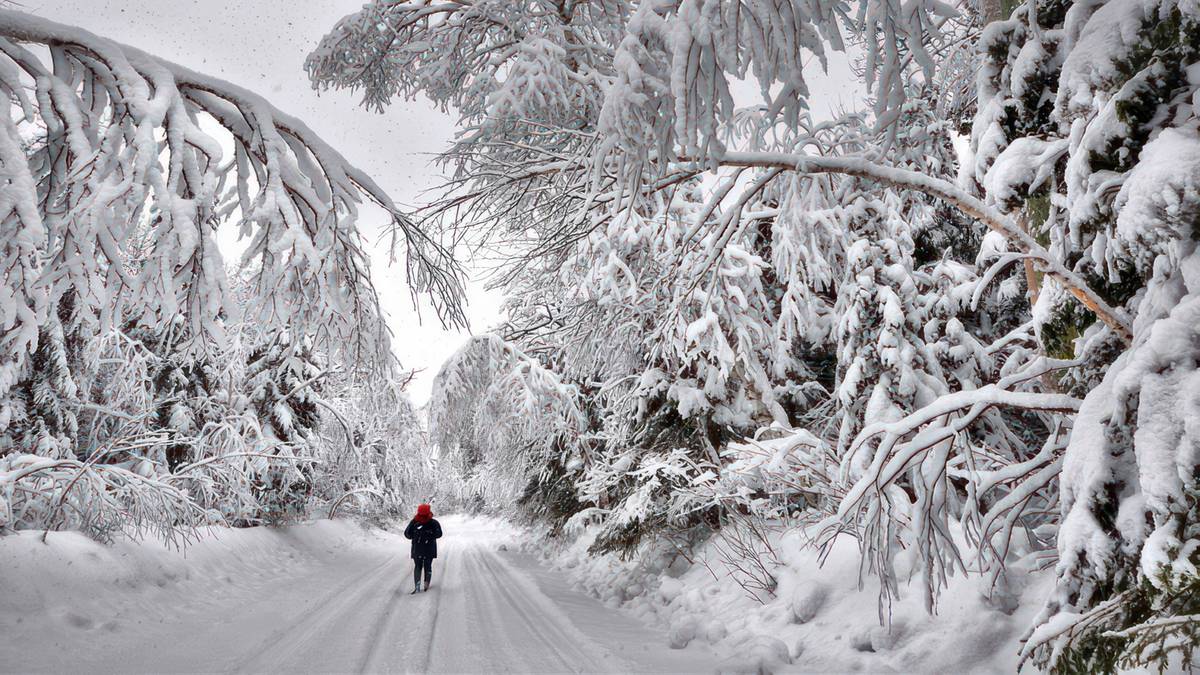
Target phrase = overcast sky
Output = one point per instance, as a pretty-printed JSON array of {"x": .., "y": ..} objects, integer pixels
[{"x": 261, "y": 45}]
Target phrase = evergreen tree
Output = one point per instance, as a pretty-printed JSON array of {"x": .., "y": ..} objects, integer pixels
[{"x": 282, "y": 387}]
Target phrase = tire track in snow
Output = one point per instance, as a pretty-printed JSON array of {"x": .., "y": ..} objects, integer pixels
[
  {"x": 282, "y": 643},
  {"x": 551, "y": 633},
  {"x": 381, "y": 653},
  {"x": 371, "y": 657},
  {"x": 367, "y": 664},
  {"x": 433, "y": 623},
  {"x": 496, "y": 623},
  {"x": 495, "y": 628}
]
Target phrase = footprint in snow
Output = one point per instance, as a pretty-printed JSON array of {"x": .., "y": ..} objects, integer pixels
[{"x": 78, "y": 621}]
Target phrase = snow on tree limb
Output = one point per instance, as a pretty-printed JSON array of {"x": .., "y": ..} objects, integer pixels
[
  {"x": 22, "y": 303},
  {"x": 1114, "y": 317},
  {"x": 105, "y": 499},
  {"x": 145, "y": 383},
  {"x": 120, "y": 155}
]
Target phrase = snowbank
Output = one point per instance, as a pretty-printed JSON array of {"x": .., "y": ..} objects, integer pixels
[{"x": 818, "y": 618}]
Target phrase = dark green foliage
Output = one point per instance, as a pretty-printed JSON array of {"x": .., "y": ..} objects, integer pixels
[
  {"x": 47, "y": 421},
  {"x": 280, "y": 372},
  {"x": 1151, "y": 77},
  {"x": 624, "y": 539},
  {"x": 180, "y": 383},
  {"x": 1094, "y": 652},
  {"x": 664, "y": 428},
  {"x": 1031, "y": 114},
  {"x": 1051, "y": 13},
  {"x": 659, "y": 440},
  {"x": 282, "y": 499},
  {"x": 1066, "y": 326},
  {"x": 1071, "y": 319},
  {"x": 283, "y": 381},
  {"x": 550, "y": 498},
  {"x": 182, "y": 386},
  {"x": 49, "y": 392},
  {"x": 1153, "y": 645},
  {"x": 1149, "y": 627},
  {"x": 951, "y": 236}
]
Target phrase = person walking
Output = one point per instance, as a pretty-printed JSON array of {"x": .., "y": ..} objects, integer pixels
[{"x": 424, "y": 531}]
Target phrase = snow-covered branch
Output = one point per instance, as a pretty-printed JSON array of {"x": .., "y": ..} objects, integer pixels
[
  {"x": 122, "y": 153},
  {"x": 974, "y": 207}
]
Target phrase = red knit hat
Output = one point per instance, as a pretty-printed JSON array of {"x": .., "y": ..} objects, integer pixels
[{"x": 424, "y": 514}]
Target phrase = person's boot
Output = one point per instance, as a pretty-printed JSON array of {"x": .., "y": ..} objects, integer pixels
[
  {"x": 426, "y": 585},
  {"x": 417, "y": 587}
]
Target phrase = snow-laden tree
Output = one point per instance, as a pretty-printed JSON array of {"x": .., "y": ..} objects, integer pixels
[
  {"x": 621, "y": 245},
  {"x": 500, "y": 417},
  {"x": 372, "y": 445},
  {"x": 282, "y": 388},
  {"x": 526, "y": 79},
  {"x": 127, "y": 362},
  {"x": 1089, "y": 128},
  {"x": 44, "y": 419}
]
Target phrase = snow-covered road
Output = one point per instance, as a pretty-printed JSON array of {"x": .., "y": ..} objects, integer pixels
[{"x": 350, "y": 611}]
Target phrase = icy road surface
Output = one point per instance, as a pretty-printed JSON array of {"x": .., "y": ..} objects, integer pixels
[{"x": 305, "y": 604}]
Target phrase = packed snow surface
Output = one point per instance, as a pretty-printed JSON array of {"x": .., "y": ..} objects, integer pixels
[{"x": 322, "y": 597}]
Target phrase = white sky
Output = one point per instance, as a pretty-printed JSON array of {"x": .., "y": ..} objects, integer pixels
[{"x": 261, "y": 45}]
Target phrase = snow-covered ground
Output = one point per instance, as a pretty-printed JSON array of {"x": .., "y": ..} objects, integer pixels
[
  {"x": 330, "y": 596},
  {"x": 321, "y": 597}
]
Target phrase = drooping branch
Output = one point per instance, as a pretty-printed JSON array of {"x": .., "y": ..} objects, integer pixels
[
  {"x": 946, "y": 191},
  {"x": 125, "y": 155}
]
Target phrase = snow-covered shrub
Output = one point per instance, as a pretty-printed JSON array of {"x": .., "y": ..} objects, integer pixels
[{"x": 99, "y": 499}]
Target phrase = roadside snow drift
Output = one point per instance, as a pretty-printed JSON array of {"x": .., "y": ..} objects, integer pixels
[{"x": 818, "y": 619}]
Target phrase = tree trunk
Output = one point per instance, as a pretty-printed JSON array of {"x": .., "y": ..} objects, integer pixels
[{"x": 999, "y": 10}]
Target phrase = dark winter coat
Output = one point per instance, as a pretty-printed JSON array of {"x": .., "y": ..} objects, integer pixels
[{"x": 424, "y": 537}]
